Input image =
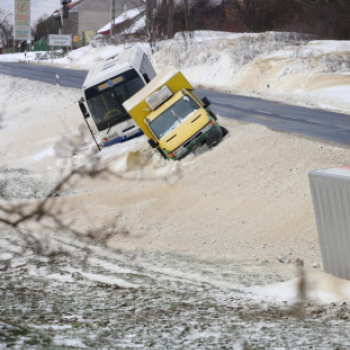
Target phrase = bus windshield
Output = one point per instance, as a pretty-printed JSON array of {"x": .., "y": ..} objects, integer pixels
[
  {"x": 173, "y": 116},
  {"x": 105, "y": 99}
]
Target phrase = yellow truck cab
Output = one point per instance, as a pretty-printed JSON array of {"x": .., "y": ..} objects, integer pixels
[{"x": 173, "y": 116}]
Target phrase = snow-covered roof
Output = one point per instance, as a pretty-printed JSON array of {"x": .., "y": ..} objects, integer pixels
[
  {"x": 138, "y": 26},
  {"x": 124, "y": 18}
]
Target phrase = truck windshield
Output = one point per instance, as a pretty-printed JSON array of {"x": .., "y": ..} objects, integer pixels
[
  {"x": 105, "y": 99},
  {"x": 173, "y": 116}
]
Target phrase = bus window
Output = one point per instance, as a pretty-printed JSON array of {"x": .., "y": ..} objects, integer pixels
[{"x": 105, "y": 105}]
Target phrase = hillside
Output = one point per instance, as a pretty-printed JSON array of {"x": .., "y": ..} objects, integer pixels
[{"x": 175, "y": 254}]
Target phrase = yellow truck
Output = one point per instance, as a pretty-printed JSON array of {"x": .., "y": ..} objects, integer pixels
[{"x": 173, "y": 116}]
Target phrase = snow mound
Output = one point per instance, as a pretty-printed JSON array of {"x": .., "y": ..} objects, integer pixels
[{"x": 319, "y": 287}]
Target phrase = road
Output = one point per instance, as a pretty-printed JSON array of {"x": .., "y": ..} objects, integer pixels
[
  {"x": 315, "y": 123},
  {"x": 68, "y": 77}
]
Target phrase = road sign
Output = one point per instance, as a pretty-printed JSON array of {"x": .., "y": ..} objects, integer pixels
[
  {"x": 60, "y": 40},
  {"x": 89, "y": 35},
  {"x": 22, "y": 20}
]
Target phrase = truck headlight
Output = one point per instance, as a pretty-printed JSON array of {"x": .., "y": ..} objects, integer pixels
[
  {"x": 179, "y": 150},
  {"x": 208, "y": 126}
]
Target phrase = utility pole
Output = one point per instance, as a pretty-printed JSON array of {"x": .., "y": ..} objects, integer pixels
[
  {"x": 65, "y": 11},
  {"x": 112, "y": 18}
]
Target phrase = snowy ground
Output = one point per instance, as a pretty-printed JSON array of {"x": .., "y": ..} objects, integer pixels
[
  {"x": 191, "y": 258},
  {"x": 91, "y": 297}
]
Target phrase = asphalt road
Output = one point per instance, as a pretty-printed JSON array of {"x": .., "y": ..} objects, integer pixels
[
  {"x": 68, "y": 77},
  {"x": 311, "y": 122},
  {"x": 314, "y": 123}
]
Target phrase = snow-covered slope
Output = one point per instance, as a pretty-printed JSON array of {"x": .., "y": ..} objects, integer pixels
[{"x": 193, "y": 241}]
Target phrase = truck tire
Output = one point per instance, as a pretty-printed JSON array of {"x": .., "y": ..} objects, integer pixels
[{"x": 224, "y": 131}]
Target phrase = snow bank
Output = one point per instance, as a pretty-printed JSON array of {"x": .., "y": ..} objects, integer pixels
[
  {"x": 281, "y": 66},
  {"x": 287, "y": 67},
  {"x": 319, "y": 287}
]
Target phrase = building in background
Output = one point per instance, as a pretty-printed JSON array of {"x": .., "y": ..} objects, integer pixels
[
  {"x": 131, "y": 23},
  {"x": 69, "y": 25},
  {"x": 86, "y": 17}
]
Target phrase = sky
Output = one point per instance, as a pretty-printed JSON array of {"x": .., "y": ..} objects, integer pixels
[{"x": 38, "y": 7}]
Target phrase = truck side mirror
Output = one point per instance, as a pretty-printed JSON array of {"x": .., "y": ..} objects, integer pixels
[
  {"x": 83, "y": 109},
  {"x": 146, "y": 77},
  {"x": 152, "y": 143},
  {"x": 206, "y": 102}
]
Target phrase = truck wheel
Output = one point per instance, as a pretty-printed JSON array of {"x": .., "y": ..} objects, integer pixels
[{"x": 224, "y": 131}]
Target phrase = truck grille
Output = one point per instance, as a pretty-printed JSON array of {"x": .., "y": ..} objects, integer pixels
[{"x": 193, "y": 139}]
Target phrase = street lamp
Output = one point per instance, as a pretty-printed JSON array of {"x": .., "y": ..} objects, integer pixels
[{"x": 64, "y": 3}]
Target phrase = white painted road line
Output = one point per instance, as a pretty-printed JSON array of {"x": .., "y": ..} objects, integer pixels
[
  {"x": 313, "y": 122},
  {"x": 263, "y": 112}
]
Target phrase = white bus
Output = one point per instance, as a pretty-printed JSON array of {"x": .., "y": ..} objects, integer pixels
[{"x": 109, "y": 83}]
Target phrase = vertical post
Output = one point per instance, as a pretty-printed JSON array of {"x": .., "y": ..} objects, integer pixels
[
  {"x": 112, "y": 18},
  {"x": 170, "y": 19},
  {"x": 62, "y": 19},
  {"x": 149, "y": 21},
  {"x": 125, "y": 9},
  {"x": 187, "y": 16},
  {"x": 14, "y": 32}
]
